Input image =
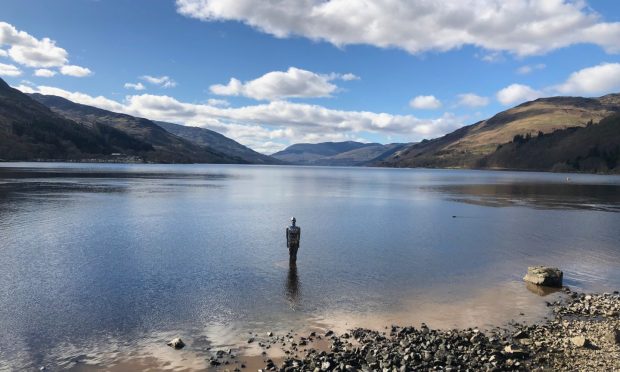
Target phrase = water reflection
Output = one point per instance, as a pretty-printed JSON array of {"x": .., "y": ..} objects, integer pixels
[
  {"x": 538, "y": 195},
  {"x": 542, "y": 291},
  {"x": 293, "y": 293}
]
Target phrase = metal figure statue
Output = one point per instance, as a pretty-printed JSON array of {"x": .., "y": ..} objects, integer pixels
[{"x": 293, "y": 235}]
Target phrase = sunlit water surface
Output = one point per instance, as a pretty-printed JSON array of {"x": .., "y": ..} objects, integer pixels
[{"x": 101, "y": 264}]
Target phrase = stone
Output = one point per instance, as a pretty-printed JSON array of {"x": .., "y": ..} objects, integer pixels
[
  {"x": 176, "y": 343},
  {"x": 544, "y": 276},
  {"x": 579, "y": 341},
  {"x": 614, "y": 336}
]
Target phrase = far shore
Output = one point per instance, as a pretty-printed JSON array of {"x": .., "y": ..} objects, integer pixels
[{"x": 133, "y": 162}]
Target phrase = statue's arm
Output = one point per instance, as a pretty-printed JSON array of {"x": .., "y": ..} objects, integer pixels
[{"x": 286, "y": 232}]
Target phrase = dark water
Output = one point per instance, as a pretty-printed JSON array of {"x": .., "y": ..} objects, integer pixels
[{"x": 101, "y": 263}]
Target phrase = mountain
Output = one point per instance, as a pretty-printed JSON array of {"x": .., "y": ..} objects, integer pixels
[
  {"x": 594, "y": 149},
  {"x": 347, "y": 153},
  {"x": 166, "y": 147},
  {"x": 467, "y": 146},
  {"x": 31, "y": 131},
  {"x": 218, "y": 142}
]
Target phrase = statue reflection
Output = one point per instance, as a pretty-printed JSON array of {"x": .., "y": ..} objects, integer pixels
[{"x": 293, "y": 294}]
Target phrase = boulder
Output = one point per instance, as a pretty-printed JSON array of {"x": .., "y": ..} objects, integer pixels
[
  {"x": 545, "y": 276},
  {"x": 579, "y": 341},
  {"x": 176, "y": 343}
]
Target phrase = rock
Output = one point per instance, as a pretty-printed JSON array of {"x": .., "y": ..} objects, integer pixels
[
  {"x": 514, "y": 351},
  {"x": 579, "y": 341},
  {"x": 614, "y": 336},
  {"x": 176, "y": 343},
  {"x": 545, "y": 276}
]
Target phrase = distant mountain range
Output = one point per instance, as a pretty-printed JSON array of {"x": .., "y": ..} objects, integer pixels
[
  {"x": 218, "y": 142},
  {"x": 549, "y": 134},
  {"x": 484, "y": 144},
  {"x": 347, "y": 153},
  {"x": 40, "y": 127}
]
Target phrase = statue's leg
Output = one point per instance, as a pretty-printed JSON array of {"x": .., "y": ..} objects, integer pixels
[{"x": 292, "y": 251}]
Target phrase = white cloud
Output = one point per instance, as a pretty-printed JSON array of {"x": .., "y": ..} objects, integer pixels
[
  {"x": 527, "y": 69},
  {"x": 425, "y": 103},
  {"x": 26, "y": 89},
  {"x": 271, "y": 126},
  {"x": 98, "y": 101},
  {"x": 521, "y": 27},
  {"x": 134, "y": 86},
  {"x": 349, "y": 76},
  {"x": 600, "y": 79},
  {"x": 41, "y": 54},
  {"x": 492, "y": 57},
  {"x": 218, "y": 102},
  {"x": 275, "y": 85},
  {"x": 517, "y": 93},
  {"x": 590, "y": 81},
  {"x": 9, "y": 70},
  {"x": 27, "y": 50},
  {"x": 44, "y": 72},
  {"x": 472, "y": 100},
  {"x": 73, "y": 70},
  {"x": 162, "y": 81}
]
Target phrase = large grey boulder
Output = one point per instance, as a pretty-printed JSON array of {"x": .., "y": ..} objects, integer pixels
[{"x": 545, "y": 276}]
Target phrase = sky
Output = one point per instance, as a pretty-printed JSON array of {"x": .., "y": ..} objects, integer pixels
[{"x": 271, "y": 73}]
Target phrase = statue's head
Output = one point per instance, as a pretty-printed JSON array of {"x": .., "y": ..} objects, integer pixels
[{"x": 293, "y": 220}]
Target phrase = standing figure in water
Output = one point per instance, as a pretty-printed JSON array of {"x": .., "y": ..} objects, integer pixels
[{"x": 293, "y": 235}]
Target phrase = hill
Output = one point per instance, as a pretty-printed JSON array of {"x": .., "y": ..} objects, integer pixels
[
  {"x": 218, "y": 142},
  {"x": 167, "y": 147},
  {"x": 467, "y": 146},
  {"x": 31, "y": 131},
  {"x": 594, "y": 149},
  {"x": 347, "y": 153}
]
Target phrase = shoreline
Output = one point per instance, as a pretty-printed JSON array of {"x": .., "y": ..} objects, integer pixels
[
  {"x": 582, "y": 334},
  {"x": 134, "y": 162}
]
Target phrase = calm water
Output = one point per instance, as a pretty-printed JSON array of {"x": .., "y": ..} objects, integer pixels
[{"x": 103, "y": 263}]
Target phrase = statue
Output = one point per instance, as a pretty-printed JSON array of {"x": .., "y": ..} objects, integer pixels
[{"x": 293, "y": 235}]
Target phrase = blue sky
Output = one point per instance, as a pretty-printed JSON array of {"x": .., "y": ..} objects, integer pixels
[{"x": 311, "y": 72}]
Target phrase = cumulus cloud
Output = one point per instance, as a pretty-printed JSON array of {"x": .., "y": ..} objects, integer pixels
[
  {"x": 44, "y": 72},
  {"x": 527, "y": 69},
  {"x": 425, "y": 103},
  {"x": 349, "y": 76},
  {"x": 472, "y": 100},
  {"x": 521, "y": 27},
  {"x": 218, "y": 102},
  {"x": 134, "y": 86},
  {"x": 270, "y": 126},
  {"x": 590, "y": 81},
  {"x": 76, "y": 71},
  {"x": 516, "y": 93},
  {"x": 27, "y": 50},
  {"x": 162, "y": 81},
  {"x": 9, "y": 70},
  {"x": 42, "y": 54},
  {"x": 83, "y": 98},
  {"x": 600, "y": 79},
  {"x": 276, "y": 85}
]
